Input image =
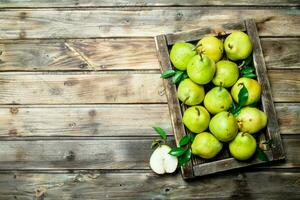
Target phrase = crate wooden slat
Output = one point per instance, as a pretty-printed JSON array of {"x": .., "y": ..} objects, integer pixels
[{"x": 223, "y": 161}]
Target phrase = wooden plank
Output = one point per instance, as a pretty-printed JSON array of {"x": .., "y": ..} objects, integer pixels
[
  {"x": 89, "y": 54},
  {"x": 173, "y": 102},
  {"x": 125, "y": 185},
  {"x": 116, "y": 54},
  {"x": 108, "y": 120},
  {"x": 102, "y": 3},
  {"x": 109, "y": 153},
  {"x": 288, "y": 118},
  {"x": 117, "y": 87},
  {"x": 285, "y": 85},
  {"x": 96, "y": 120},
  {"x": 192, "y": 35},
  {"x": 272, "y": 130},
  {"x": 128, "y": 22},
  {"x": 281, "y": 53},
  {"x": 81, "y": 88}
]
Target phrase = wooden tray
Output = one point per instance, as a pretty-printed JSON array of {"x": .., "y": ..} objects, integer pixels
[{"x": 198, "y": 166}]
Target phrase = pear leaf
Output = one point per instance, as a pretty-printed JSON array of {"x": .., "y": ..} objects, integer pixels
[
  {"x": 248, "y": 60},
  {"x": 184, "y": 76},
  {"x": 235, "y": 109},
  {"x": 243, "y": 96},
  {"x": 247, "y": 70},
  {"x": 185, "y": 157},
  {"x": 177, "y": 77},
  {"x": 167, "y": 74},
  {"x": 261, "y": 154},
  {"x": 177, "y": 151},
  {"x": 184, "y": 140},
  {"x": 249, "y": 75},
  {"x": 192, "y": 137},
  {"x": 161, "y": 132}
]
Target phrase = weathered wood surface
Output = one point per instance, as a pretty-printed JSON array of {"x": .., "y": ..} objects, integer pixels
[
  {"x": 126, "y": 185},
  {"x": 96, "y": 3},
  {"x": 88, "y": 54},
  {"x": 58, "y": 88},
  {"x": 94, "y": 120},
  {"x": 18, "y": 88},
  {"x": 116, "y": 54},
  {"x": 107, "y": 120},
  {"x": 128, "y": 22},
  {"x": 109, "y": 153}
]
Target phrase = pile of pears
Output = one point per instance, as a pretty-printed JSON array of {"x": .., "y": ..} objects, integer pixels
[{"x": 212, "y": 87}]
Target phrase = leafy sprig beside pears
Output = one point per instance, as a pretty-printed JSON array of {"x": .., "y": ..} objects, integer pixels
[{"x": 183, "y": 152}]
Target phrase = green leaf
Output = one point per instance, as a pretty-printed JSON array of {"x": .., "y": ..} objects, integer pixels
[
  {"x": 249, "y": 75},
  {"x": 192, "y": 137},
  {"x": 243, "y": 96},
  {"x": 185, "y": 157},
  {"x": 168, "y": 73},
  {"x": 247, "y": 70},
  {"x": 235, "y": 109},
  {"x": 248, "y": 60},
  {"x": 261, "y": 154},
  {"x": 184, "y": 76},
  {"x": 184, "y": 140},
  {"x": 177, "y": 151},
  {"x": 161, "y": 132},
  {"x": 177, "y": 76},
  {"x": 255, "y": 104}
]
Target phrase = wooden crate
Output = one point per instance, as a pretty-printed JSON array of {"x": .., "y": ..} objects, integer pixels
[{"x": 198, "y": 166}]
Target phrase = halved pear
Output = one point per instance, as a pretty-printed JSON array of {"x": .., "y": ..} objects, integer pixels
[{"x": 162, "y": 162}]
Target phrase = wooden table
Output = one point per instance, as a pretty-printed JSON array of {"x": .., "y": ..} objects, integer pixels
[{"x": 80, "y": 89}]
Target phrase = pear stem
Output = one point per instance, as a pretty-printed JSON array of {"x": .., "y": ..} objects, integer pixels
[
  {"x": 198, "y": 111},
  {"x": 241, "y": 65},
  {"x": 220, "y": 87},
  {"x": 184, "y": 101},
  {"x": 228, "y": 114},
  {"x": 230, "y": 46}
]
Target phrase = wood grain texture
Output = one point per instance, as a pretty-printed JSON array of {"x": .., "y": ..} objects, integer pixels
[
  {"x": 105, "y": 153},
  {"x": 81, "y": 88},
  {"x": 116, "y": 54},
  {"x": 288, "y": 117},
  {"x": 96, "y": 120},
  {"x": 89, "y": 54},
  {"x": 107, "y": 120},
  {"x": 95, "y": 3},
  {"x": 128, "y": 22},
  {"x": 283, "y": 53},
  {"x": 124, "y": 185},
  {"x": 285, "y": 85},
  {"x": 39, "y": 88}
]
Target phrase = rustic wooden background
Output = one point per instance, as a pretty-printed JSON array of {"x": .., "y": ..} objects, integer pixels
[{"x": 80, "y": 89}]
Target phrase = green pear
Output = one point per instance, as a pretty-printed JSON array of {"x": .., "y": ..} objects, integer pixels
[
  {"x": 243, "y": 146},
  {"x": 251, "y": 120},
  {"x": 217, "y": 100},
  {"x": 224, "y": 126},
  {"x": 206, "y": 145},
  {"x": 201, "y": 69},
  {"x": 181, "y": 53},
  {"x": 190, "y": 93},
  {"x": 211, "y": 46},
  {"x": 196, "y": 119},
  {"x": 227, "y": 73},
  {"x": 253, "y": 88},
  {"x": 238, "y": 46}
]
